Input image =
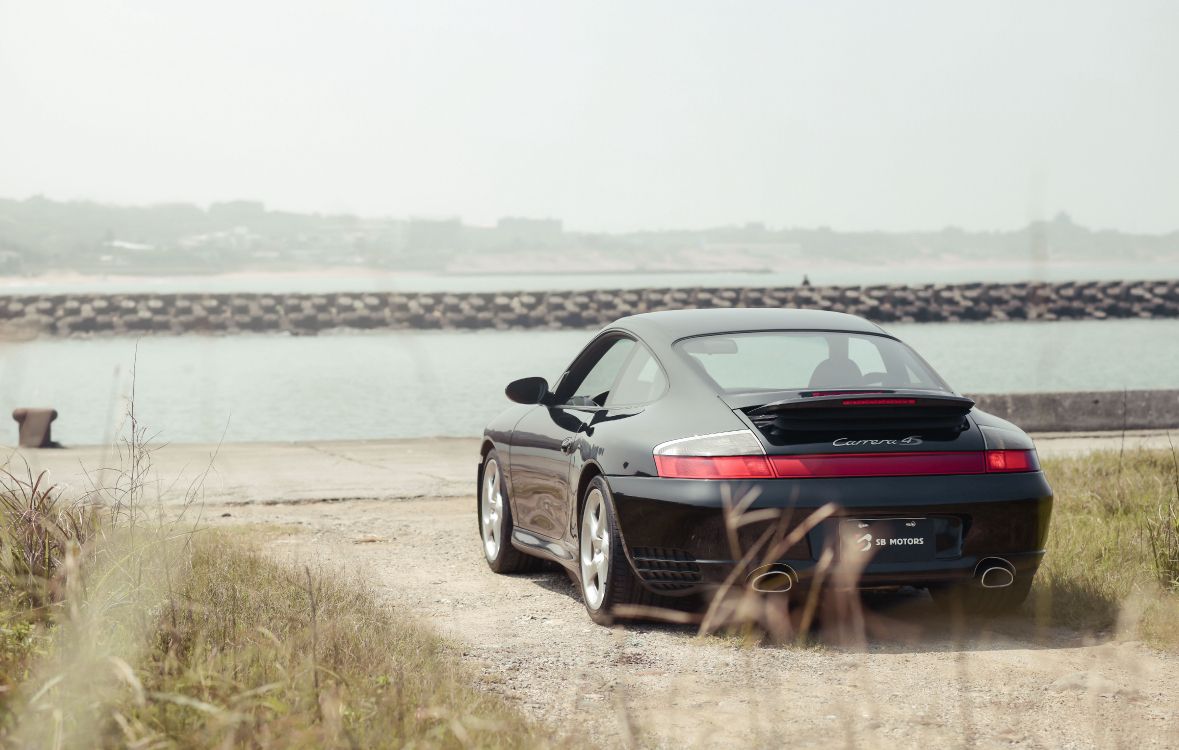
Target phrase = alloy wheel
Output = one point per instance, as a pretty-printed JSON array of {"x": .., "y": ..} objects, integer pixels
[
  {"x": 491, "y": 510},
  {"x": 595, "y": 549}
]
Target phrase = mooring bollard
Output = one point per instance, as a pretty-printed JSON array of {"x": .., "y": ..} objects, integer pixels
[{"x": 35, "y": 427}]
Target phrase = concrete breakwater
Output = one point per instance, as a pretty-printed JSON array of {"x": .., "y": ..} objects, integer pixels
[{"x": 297, "y": 313}]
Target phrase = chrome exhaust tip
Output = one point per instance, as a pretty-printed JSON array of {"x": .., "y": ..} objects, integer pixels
[
  {"x": 772, "y": 579},
  {"x": 997, "y": 573}
]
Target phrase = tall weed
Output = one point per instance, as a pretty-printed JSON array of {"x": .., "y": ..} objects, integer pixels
[{"x": 39, "y": 529}]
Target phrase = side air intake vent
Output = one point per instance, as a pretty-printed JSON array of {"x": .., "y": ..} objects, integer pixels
[{"x": 666, "y": 569}]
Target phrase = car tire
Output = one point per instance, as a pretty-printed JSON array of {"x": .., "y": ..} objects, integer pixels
[
  {"x": 972, "y": 599},
  {"x": 606, "y": 578},
  {"x": 494, "y": 514}
]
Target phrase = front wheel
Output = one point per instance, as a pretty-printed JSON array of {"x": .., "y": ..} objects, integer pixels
[{"x": 607, "y": 580}]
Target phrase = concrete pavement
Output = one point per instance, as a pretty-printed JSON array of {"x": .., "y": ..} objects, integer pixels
[{"x": 277, "y": 472}]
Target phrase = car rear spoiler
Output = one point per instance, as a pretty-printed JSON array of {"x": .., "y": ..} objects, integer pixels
[{"x": 815, "y": 410}]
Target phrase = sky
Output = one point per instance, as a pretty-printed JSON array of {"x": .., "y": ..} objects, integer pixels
[{"x": 610, "y": 115}]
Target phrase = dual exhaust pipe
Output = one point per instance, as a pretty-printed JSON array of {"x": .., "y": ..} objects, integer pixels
[
  {"x": 994, "y": 573},
  {"x": 778, "y": 578},
  {"x": 775, "y": 578}
]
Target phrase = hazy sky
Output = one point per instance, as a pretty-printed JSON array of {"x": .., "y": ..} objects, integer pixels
[{"x": 610, "y": 115}]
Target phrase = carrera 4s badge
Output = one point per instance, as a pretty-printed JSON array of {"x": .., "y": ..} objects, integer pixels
[{"x": 911, "y": 440}]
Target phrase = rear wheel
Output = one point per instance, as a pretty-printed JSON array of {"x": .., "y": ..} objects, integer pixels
[
  {"x": 607, "y": 580},
  {"x": 495, "y": 522},
  {"x": 973, "y": 599}
]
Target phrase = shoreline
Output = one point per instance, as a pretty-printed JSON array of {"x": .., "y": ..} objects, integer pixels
[{"x": 525, "y": 273}]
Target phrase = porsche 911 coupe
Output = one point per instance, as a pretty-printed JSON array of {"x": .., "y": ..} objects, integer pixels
[{"x": 627, "y": 471}]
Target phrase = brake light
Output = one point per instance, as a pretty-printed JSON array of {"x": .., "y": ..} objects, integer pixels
[
  {"x": 816, "y": 394},
  {"x": 1011, "y": 461},
  {"x": 879, "y": 401}
]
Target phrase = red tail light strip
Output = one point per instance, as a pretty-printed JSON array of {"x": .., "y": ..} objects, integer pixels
[
  {"x": 846, "y": 465},
  {"x": 714, "y": 467},
  {"x": 879, "y": 401},
  {"x": 878, "y": 464}
]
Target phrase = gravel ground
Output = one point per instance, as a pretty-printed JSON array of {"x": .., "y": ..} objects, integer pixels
[
  {"x": 402, "y": 515},
  {"x": 913, "y": 682}
]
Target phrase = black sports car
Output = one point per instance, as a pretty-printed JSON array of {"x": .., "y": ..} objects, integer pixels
[{"x": 629, "y": 470}]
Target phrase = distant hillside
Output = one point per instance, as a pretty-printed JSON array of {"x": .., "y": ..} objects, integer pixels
[{"x": 38, "y": 235}]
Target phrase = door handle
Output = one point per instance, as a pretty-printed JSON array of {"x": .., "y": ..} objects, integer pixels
[{"x": 567, "y": 445}]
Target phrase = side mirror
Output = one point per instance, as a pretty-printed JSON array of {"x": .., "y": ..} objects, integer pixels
[{"x": 528, "y": 390}]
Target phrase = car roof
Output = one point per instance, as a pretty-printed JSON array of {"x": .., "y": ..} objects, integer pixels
[{"x": 668, "y": 326}]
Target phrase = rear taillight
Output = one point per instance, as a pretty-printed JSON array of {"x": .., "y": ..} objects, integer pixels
[
  {"x": 721, "y": 455},
  {"x": 738, "y": 455},
  {"x": 1011, "y": 461},
  {"x": 714, "y": 467}
]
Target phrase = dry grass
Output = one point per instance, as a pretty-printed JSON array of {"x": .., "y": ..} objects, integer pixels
[
  {"x": 1113, "y": 548},
  {"x": 243, "y": 652},
  {"x": 122, "y": 624},
  {"x": 1163, "y": 533},
  {"x": 262, "y": 655},
  {"x": 39, "y": 530},
  {"x": 178, "y": 639}
]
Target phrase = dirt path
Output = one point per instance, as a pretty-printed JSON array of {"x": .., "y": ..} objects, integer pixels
[
  {"x": 914, "y": 684},
  {"x": 402, "y": 516}
]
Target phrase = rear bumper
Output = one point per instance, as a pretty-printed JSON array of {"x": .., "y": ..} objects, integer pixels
[{"x": 678, "y": 542}]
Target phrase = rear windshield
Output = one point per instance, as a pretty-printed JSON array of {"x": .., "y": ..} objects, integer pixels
[{"x": 804, "y": 360}]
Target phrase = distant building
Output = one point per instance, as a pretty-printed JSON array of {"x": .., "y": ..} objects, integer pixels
[
  {"x": 520, "y": 233},
  {"x": 236, "y": 238},
  {"x": 125, "y": 253},
  {"x": 434, "y": 235},
  {"x": 237, "y": 212}
]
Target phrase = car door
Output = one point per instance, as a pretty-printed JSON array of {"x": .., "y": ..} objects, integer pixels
[{"x": 544, "y": 439}]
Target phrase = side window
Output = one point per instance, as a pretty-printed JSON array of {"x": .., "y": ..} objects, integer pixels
[
  {"x": 594, "y": 388},
  {"x": 641, "y": 381}
]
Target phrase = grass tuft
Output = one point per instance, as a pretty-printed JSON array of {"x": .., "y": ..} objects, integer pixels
[
  {"x": 39, "y": 530},
  {"x": 1163, "y": 531}
]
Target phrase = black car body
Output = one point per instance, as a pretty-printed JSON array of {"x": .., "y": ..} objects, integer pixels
[{"x": 673, "y": 421}]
